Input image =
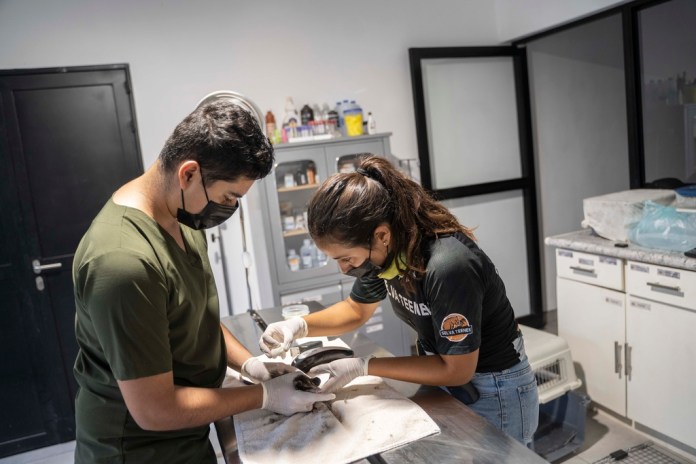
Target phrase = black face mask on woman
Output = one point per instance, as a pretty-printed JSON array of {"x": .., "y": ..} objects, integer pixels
[
  {"x": 368, "y": 268},
  {"x": 213, "y": 214}
]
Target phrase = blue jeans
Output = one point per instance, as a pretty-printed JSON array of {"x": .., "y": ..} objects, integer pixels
[{"x": 509, "y": 399}]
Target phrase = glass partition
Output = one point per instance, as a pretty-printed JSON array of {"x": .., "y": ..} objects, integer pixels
[{"x": 668, "y": 83}]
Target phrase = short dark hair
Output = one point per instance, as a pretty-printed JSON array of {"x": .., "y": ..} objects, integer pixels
[{"x": 224, "y": 139}]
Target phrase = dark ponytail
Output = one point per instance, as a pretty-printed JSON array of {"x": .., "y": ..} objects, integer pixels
[{"x": 349, "y": 206}]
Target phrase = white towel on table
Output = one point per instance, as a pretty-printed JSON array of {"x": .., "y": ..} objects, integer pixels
[{"x": 367, "y": 417}]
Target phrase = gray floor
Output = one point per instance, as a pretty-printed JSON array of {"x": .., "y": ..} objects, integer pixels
[{"x": 604, "y": 434}]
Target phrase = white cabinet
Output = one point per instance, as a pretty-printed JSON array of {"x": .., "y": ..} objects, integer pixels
[
  {"x": 634, "y": 344},
  {"x": 660, "y": 325},
  {"x": 676, "y": 287},
  {"x": 661, "y": 376},
  {"x": 591, "y": 319}
]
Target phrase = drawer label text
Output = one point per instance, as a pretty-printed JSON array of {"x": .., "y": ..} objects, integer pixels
[
  {"x": 668, "y": 273},
  {"x": 638, "y": 304},
  {"x": 607, "y": 260},
  {"x": 639, "y": 268}
]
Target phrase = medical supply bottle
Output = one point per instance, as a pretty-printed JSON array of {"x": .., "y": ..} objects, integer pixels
[
  {"x": 322, "y": 259},
  {"x": 332, "y": 120},
  {"x": 293, "y": 260},
  {"x": 353, "y": 118},
  {"x": 371, "y": 124},
  {"x": 270, "y": 126},
  {"x": 306, "y": 254},
  {"x": 306, "y": 115},
  {"x": 290, "y": 118},
  {"x": 340, "y": 124}
]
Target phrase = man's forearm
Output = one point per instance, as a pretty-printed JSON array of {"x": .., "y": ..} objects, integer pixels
[
  {"x": 236, "y": 352},
  {"x": 157, "y": 404}
]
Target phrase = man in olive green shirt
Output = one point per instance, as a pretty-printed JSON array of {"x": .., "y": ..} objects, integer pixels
[{"x": 153, "y": 353}]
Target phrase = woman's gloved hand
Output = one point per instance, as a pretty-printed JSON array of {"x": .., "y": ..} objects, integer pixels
[
  {"x": 280, "y": 396},
  {"x": 258, "y": 371},
  {"x": 342, "y": 371},
  {"x": 278, "y": 336}
]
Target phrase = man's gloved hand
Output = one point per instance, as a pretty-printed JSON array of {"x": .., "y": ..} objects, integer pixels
[
  {"x": 278, "y": 336},
  {"x": 342, "y": 372},
  {"x": 280, "y": 396},
  {"x": 258, "y": 371}
]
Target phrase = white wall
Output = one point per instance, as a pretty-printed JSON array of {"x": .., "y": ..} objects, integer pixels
[
  {"x": 579, "y": 114},
  {"x": 179, "y": 51},
  {"x": 316, "y": 52},
  {"x": 519, "y": 18}
]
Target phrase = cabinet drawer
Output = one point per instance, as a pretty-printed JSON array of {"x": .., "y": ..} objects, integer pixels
[
  {"x": 663, "y": 284},
  {"x": 604, "y": 271}
]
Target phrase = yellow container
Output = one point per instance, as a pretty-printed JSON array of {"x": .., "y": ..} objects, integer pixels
[{"x": 354, "y": 123}]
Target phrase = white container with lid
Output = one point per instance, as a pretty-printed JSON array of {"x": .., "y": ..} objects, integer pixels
[{"x": 296, "y": 310}]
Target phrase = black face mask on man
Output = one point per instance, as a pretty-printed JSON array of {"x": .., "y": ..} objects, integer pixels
[{"x": 213, "y": 214}]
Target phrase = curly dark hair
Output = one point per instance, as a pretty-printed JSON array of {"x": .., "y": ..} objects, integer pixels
[
  {"x": 348, "y": 207},
  {"x": 224, "y": 139}
]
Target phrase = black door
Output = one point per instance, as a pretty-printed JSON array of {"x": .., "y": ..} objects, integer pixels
[
  {"x": 473, "y": 125},
  {"x": 67, "y": 140}
]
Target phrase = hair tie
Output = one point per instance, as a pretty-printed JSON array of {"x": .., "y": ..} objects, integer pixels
[{"x": 374, "y": 175}]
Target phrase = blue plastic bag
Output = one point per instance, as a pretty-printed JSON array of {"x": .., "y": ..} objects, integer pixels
[{"x": 665, "y": 228}]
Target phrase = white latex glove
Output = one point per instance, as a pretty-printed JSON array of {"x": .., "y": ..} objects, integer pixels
[
  {"x": 278, "y": 336},
  {"x": 342, "y": 371},
  {"x": 280, "y": 396},
  {"x": 258, "y": 371}
]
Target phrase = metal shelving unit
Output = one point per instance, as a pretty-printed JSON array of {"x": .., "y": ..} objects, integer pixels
[{"x": 300, "y": 168}]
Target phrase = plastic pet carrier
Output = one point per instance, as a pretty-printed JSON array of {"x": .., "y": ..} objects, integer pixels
[{"x": 562, "y": 411}]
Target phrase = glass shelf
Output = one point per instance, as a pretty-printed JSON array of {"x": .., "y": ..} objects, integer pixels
[
  {"x": 298, "y": 187},
  {"x": 292, "y": 233}
]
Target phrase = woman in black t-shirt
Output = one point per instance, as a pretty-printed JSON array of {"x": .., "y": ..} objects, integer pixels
[{"x": 385, "y": 230}]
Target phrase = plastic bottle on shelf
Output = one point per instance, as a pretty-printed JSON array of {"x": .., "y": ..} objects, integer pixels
[
  {"x": 291, "y": 118},
  {"x": 314, "y": 251},
  {"x": 306, "y": 254},
  {"x": 332, "y": 122},
  {"x": 341, "y": 109},
  {"x": 293, "y": 260},
  {"x": 371, "y": 124},
  {"x": 325, "y": 110},
  {"x": 322, "y": 259},
  {"x": 300, "y": 177},
  {"x": 311, "y": 173},
  {"x": 300, "y": 221},
  {"x": 270, "y": 126},
  {"x": 288, "y": 223},
  {"x": 306, "y": 115},
  {"x": 289, "y": 180},
  {"x": 353, "y": 119}
]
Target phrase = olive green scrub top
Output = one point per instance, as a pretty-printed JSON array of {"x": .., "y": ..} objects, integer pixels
[{"x": 144, "y": 307}]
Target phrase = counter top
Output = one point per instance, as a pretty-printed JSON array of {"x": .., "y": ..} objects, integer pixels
[
  {"x": 587, "y": 240},
  {"x": 464, "y": 437}
]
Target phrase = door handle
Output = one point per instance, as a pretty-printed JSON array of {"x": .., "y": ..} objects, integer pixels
[
  {"x": 629, "y": 367},
  {"x": 663, "y": 287},
  {"x": 585, "y": 270},
  {"x": 617, "y": 358},
  {"x": 39, "y": 268}
]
